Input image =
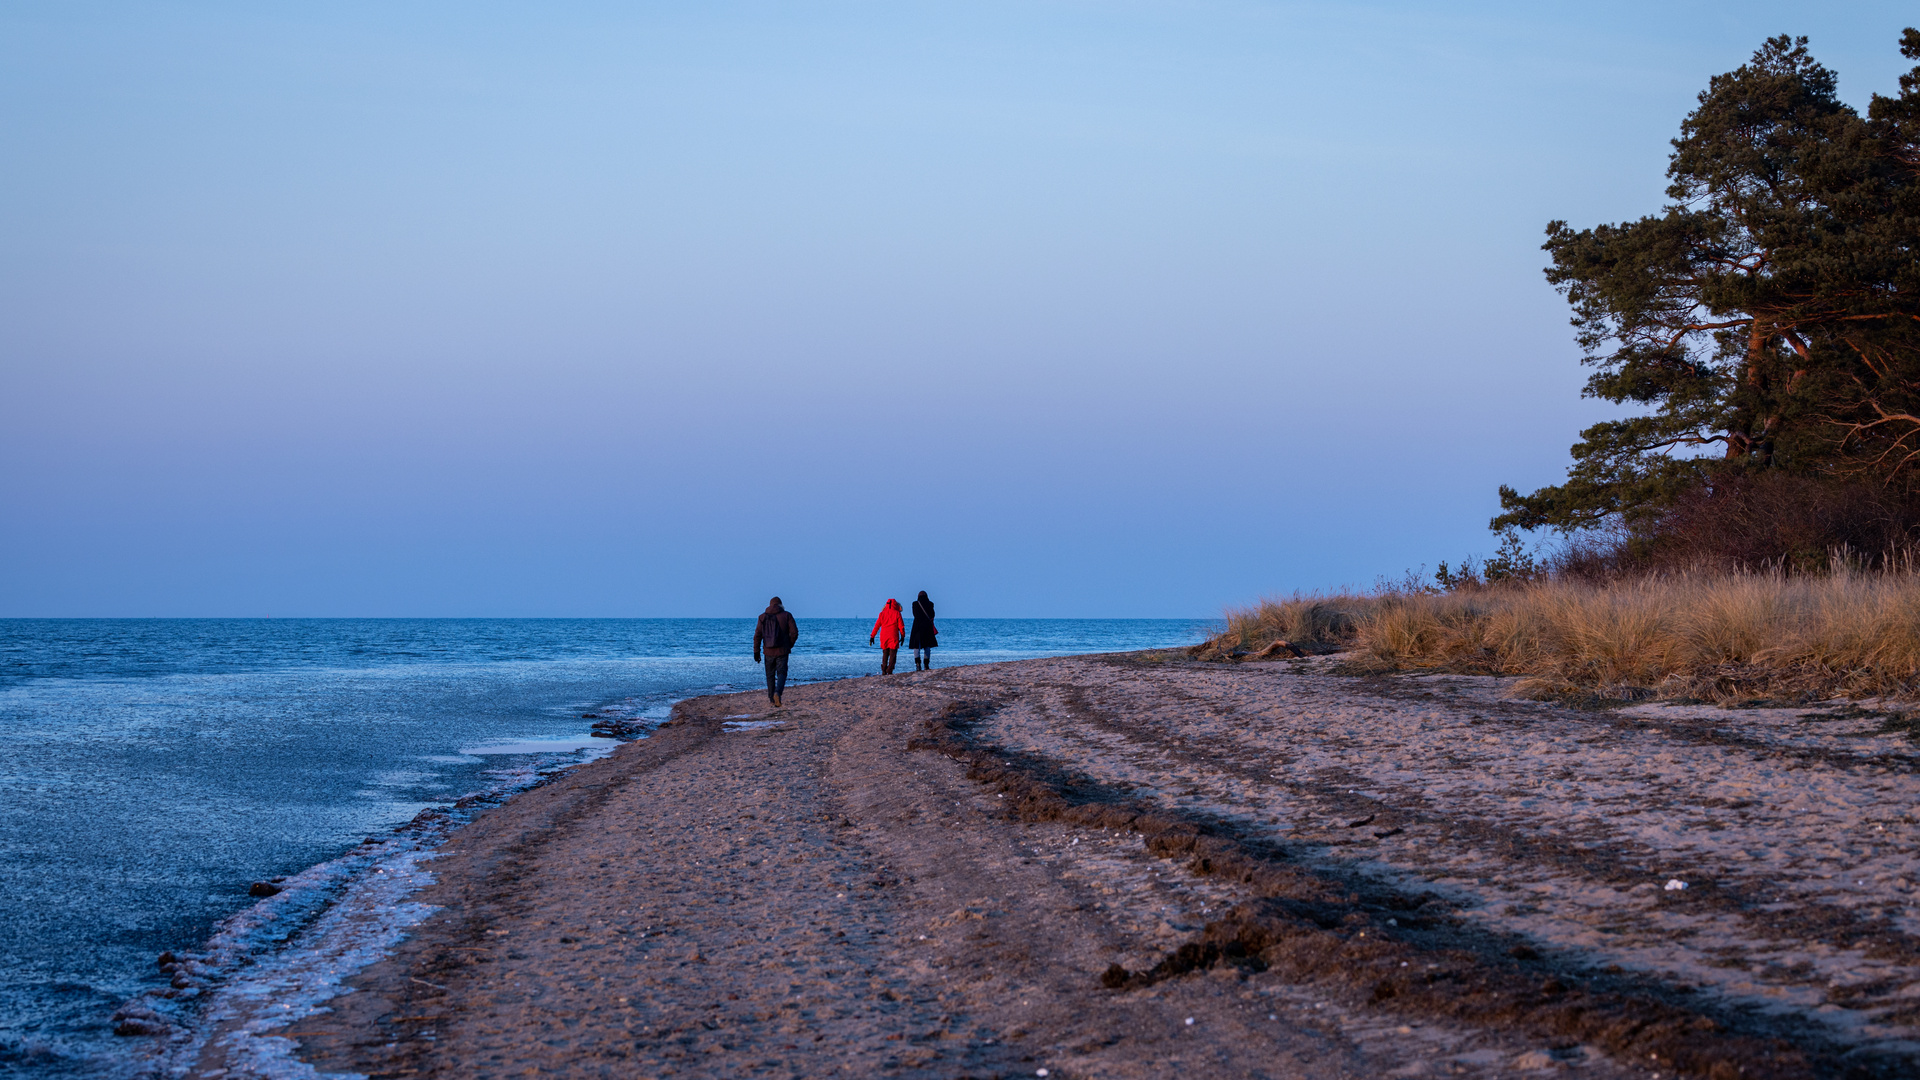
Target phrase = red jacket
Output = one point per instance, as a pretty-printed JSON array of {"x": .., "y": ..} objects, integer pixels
[{"x": 889, "y": 627}]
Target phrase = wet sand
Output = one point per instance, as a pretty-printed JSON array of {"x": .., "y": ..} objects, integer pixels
[{"x": 1141, "y": 866}]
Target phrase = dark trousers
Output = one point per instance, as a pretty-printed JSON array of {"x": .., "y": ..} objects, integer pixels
[
  {"x": 776, "y": 675},
  {"x": 887, "y": 659}
]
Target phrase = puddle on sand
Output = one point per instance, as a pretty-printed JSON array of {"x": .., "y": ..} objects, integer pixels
[{"x": 751, "y": 725}]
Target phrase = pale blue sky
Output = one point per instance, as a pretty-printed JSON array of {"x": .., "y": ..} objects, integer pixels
[{"x": 1069, "y": 309}]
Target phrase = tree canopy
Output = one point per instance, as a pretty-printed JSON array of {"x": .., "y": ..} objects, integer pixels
[{"x": 1768, "y": 319}]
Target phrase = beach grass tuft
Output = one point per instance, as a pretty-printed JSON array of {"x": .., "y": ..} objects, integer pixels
[{"x": 1723, "y": 637}]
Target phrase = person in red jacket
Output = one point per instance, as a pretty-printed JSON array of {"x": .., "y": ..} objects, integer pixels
[{"x": 890, "y": 627}]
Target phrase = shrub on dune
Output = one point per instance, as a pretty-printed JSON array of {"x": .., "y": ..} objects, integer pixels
[{"x": 1716, "y": 637}]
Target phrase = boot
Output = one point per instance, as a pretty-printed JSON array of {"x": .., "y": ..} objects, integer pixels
[{"x": 776, "y": 701}]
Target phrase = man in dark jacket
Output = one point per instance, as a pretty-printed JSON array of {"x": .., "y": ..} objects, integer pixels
[{"x": 774, "y": 635}]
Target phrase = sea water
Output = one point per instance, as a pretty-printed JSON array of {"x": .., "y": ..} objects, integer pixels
[{"x": 152, "y": 770}]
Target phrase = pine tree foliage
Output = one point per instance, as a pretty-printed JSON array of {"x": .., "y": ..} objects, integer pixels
[{"x": 1768, "y": 319}]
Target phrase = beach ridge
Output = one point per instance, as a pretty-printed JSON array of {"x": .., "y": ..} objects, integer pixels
[{"x": 1119, "y": 866}]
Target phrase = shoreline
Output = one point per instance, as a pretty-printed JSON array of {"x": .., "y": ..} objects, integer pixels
[
  {"x": 286, "y": 749},
  {"x": 292, "y": 950},
  {"x": 1036, "y": 864}
]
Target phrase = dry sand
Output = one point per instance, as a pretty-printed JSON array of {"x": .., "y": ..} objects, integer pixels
[{"x": 1392, "y": 876}]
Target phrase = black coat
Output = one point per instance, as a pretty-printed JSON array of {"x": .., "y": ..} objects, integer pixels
[
  {"x": 776, "y": 631},
  {"x": 921, "y": 636}
]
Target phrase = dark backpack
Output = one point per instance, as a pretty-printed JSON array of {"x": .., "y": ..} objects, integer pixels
[{"x": 778, "y": 633}]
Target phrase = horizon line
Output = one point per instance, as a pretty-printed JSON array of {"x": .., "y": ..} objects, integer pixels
[{"x": 575, "y": 618}]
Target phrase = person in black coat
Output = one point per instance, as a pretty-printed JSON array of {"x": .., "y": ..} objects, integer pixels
[
  {"x": 774, "y": 634},
  {"x": 922, "y": 638}
]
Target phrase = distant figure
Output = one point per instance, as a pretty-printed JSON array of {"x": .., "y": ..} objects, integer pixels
[
  {"x": 775, "y": 634},
  {"x": 890, "y": 627},
  {"x": 924, "y": 636}
]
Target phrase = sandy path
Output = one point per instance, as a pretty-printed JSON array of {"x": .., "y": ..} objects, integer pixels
[
  {"x": 803, "y": 900},
  {"x": 812, "y": 897}
]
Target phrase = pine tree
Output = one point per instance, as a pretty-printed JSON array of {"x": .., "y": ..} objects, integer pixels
[{"x": 1768, "y": 319}]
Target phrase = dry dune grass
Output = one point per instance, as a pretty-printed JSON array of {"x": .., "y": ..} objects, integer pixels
[{"x": 1725, "y": 637}]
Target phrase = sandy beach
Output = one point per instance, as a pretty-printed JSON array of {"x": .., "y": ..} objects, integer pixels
[{"x": 1145, "y": 866}]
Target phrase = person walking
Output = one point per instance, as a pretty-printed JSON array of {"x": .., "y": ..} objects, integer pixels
[
  {"x": 889, "y": 628},
  {"x": 774, "y": 634},
  {"x": 925, "y": 636}
]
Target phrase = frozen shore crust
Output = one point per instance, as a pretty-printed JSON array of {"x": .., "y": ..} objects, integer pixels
[{"x": 280, "y": 960}]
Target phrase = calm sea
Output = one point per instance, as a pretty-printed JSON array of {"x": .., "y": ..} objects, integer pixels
[{"x": 152, "y": 769}]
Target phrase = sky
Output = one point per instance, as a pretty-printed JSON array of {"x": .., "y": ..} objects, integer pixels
[{"x": 1052, "y": 309}]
